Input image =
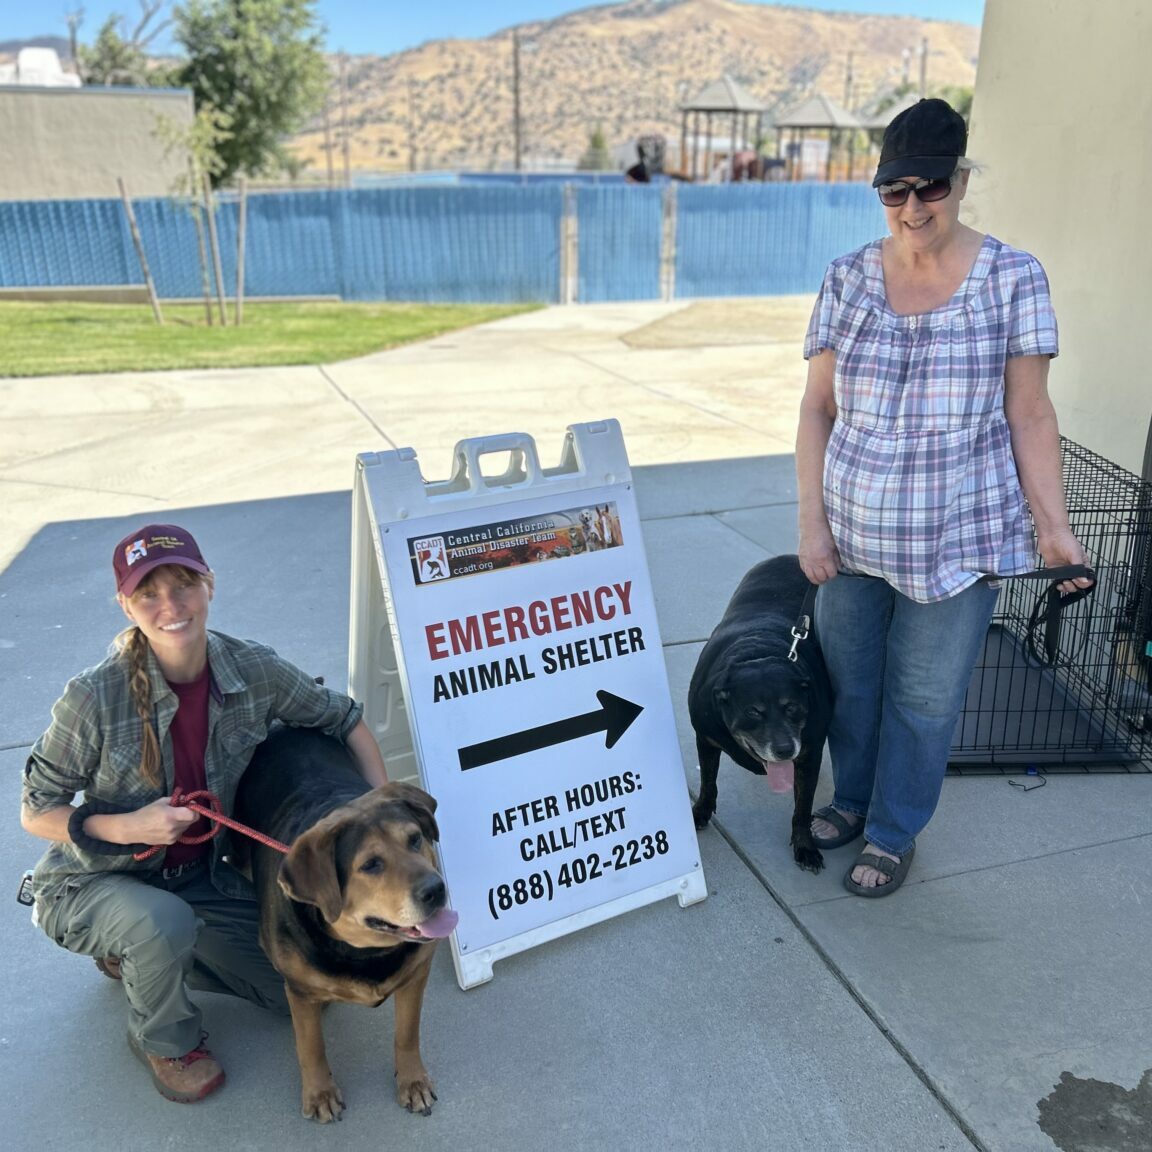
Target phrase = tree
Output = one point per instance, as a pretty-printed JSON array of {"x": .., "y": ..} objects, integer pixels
[
  {"x": 119, "y": 58},
  {"x": 200, "y": 142},
  {"x": 258, "y": 62},
  {"x": 889, "y": 99},
  {"x": 596, "y": 157},
  {"x": 113, "y": 60},
  {"x": 959, "y": 97}
]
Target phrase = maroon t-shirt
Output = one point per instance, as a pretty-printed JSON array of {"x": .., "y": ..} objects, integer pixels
[{"x": 189, "y": 732}]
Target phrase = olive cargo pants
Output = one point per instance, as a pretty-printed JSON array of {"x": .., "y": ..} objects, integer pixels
[{"x": 171, "y": 935}]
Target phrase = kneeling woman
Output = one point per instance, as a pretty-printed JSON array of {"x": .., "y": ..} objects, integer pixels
[{"x": 174, "y": 707}]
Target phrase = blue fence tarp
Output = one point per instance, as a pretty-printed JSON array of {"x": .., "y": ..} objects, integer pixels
[
  {"x": 288, "y": 245},
  {"x": 63, "y": 242},
  {"x": 768, "y": 239},
  {"x": 619, "y": 237},
  {"x": 468, "y": 243}
]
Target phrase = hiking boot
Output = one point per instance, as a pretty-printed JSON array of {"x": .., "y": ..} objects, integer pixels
[
  {"x": 110, "y": 966},
  {"x": 186, "y": 1078}
]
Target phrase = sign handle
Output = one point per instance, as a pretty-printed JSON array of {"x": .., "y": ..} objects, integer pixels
[{"x": 523, "y": 465}]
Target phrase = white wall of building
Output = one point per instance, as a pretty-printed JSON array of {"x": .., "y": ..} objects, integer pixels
[
  {"x": 73, "y": 143},
  {"x": 1062, "y": 123}
]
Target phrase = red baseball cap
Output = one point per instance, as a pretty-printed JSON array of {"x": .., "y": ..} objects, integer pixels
[{"x": 149, "y": 547}]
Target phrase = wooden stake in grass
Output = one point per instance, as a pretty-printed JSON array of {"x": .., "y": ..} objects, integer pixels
[
  {"x": 240, "y": 227},
  {"x": 214, "y": 242},
  {"x": 205, "y": 276},
  {"x": 140, "y": 253}
]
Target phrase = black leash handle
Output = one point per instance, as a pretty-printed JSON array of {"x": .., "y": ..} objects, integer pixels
[
  {"x": 1048, "y": 607},
  {"x": 1055, "y": 575}
]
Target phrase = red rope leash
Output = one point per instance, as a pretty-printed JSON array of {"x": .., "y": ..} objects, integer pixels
[{"x": 213, "y": 812}]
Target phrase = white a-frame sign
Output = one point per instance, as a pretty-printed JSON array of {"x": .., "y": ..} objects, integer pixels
[{"x": 505, "y": 645}]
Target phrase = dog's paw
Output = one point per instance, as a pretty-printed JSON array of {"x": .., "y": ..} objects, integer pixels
[
  {"x": 701, "y": 814},
  {"x": 810, "y": 859},
  {"x": 416, "y": 1093},
  {"x": 323, "y": 1104}
]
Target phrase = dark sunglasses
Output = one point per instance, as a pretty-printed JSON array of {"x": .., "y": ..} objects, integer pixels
[{"x": 927, "y": 191}]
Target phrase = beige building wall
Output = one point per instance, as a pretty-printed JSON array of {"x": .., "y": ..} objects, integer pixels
[
  {"x": 73, "y": 143},
  {"x": 1062, "y": 123}
]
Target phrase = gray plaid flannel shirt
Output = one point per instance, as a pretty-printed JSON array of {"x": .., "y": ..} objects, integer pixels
[{"x": 93, "y": 746}]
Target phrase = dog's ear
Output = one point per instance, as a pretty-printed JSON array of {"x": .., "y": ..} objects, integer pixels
[
  {"x": 421, "y": 805},
  {"x": 308, "y": 873}
]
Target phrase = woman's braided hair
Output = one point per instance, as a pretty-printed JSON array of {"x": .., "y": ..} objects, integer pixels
[{"x": 133, "y": 648}]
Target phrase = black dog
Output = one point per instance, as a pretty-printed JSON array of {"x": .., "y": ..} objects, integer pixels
[{"x": 749, "y": 700}]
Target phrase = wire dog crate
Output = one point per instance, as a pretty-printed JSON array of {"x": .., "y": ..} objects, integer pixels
[{"x": 1073, "y": 692}]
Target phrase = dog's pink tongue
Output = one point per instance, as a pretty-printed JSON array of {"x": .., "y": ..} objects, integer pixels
[
  {"x": 439, "y": 925},
  {"x": 780, "y": 775}
]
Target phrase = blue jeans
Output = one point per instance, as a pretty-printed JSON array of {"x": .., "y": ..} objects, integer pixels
[{"x": 900, "y": 673}]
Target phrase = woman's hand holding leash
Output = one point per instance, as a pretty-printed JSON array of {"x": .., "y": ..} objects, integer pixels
[
  {"x": 159, "y": 822},
  {"x": 819, "y": 557},
  {"x": 1060, "y": 548},
  {"x": 95, "y": 828}
]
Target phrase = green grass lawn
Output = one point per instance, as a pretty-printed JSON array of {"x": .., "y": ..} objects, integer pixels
[{"x": 44, "y": 339}]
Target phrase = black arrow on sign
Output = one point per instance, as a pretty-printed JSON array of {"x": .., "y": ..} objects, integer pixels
[{"x": 613, "y": 717}]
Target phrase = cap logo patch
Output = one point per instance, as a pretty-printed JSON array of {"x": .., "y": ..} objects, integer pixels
[{"x": 138, "y": 549}]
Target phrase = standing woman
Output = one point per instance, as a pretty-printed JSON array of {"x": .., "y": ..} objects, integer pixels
[
  {"x": 174, "y": 707},
  {"x": 926, "y": 454}
]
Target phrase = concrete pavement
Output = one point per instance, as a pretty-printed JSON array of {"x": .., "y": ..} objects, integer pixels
[{"x": 781, "y": 1013}]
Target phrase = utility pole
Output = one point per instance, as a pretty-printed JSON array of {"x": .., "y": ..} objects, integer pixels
[
  {"x": 517, "y": 144},
  {"x": 411, "y": 123},
  {"x": 683, "y": 91},
  {"x": 328, "y": 130},
  {"x": 344, "y": 119},
  {"x": 849, "y": 81},
  {"x": 74, "y": 19},
  {"x": 923, "y": 67}
]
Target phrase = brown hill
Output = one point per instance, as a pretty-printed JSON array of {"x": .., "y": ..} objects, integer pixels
[
  {"x": 625, "y": 68},
  {"x": 10, "y": 48}
]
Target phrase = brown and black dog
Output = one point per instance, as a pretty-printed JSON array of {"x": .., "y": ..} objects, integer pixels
[{"x": 356, "y": 908}]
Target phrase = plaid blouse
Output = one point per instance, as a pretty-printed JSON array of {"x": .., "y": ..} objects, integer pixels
[{"x": 920, "y": 485}]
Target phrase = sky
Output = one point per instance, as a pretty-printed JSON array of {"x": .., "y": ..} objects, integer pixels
[{"x": 371, "y": 27}]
